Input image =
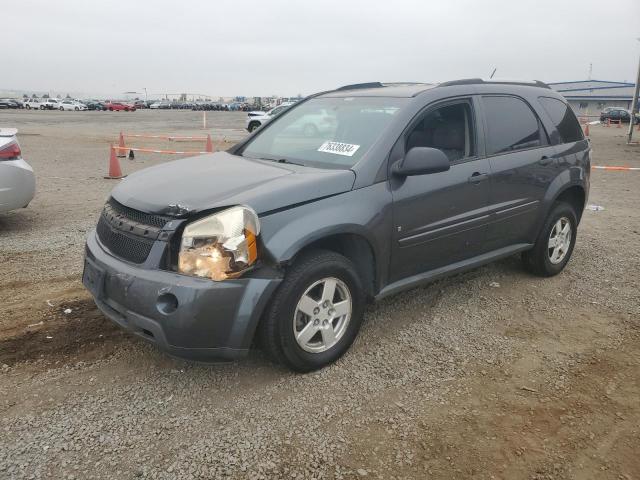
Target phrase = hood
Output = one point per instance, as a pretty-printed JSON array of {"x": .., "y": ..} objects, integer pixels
[{"x": 220, "y": 179}]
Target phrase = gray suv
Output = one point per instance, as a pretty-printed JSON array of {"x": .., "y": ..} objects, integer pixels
[{"x": 285, "y": 237}]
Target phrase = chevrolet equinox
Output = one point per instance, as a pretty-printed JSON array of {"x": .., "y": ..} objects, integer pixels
[{"x": 348, "y": 196}]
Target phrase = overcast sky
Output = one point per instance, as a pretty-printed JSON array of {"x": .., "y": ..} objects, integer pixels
[{"x": 265, "y": 47}]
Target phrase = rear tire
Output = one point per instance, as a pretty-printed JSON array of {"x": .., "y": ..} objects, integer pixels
[
  {"x": 333, "y": 321},
  {"x": 555, "y": 242}
]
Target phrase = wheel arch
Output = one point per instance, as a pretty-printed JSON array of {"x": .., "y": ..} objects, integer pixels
[
  {"x": 354, "y": 246},
  {"x": 574, "y": 195},
  {"x": 571, "y": 186}
]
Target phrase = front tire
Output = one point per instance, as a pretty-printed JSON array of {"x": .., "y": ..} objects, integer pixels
[
  {"x": 554, "y": 245},
  {"x": 315, "y": 314},
  {"x": 253, "y": 126}
]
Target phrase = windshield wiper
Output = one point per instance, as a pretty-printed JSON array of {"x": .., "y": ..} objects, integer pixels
[
  {"x": 280, "y": 160},
  {"x": 284, "y": 160}
]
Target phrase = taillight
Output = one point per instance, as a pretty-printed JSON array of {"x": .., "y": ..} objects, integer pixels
[{"x": 11, "y": 151}]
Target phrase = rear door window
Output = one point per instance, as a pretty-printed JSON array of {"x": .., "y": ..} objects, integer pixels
[
  {"x": 563, "y": 118},
  {"x": 511, "y": 125}
]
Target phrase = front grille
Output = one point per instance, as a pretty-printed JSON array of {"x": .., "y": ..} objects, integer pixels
[
  {"x": 133, "y": 249},
  {"x": 128, "y": 233}
]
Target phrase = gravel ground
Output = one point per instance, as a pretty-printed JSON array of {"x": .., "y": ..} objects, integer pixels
[{"x": 489, "y": 374}]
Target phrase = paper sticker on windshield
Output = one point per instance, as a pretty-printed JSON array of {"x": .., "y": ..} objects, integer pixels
[{"x": 339, "y": 148}]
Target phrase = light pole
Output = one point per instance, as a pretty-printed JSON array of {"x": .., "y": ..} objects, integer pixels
[
  {"x": 145, "y": 94},
  {"x": 634, "y": 103}
]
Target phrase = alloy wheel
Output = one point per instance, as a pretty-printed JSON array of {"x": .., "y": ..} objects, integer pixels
[
  {"x": 322, "y": 315},
  {"x": 559, "y": 240}
]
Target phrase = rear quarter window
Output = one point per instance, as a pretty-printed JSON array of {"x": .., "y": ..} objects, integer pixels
[
  {"x": 563, "y": 118},
  {"x": 511, "y": 125}
]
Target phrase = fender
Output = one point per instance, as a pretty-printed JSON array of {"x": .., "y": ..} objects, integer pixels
[
  {"x": 570, "y": 177},
  {"x": 365, "y": 212}
]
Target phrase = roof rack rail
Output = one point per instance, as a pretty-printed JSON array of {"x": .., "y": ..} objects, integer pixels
[
  {"x": 357, "y": 86},
  {"x": 475, "y": 81},
  {"x": 403, "y": 84}
]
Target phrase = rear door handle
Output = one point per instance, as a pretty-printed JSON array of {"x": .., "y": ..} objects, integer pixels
[
  {"x": 478, "y": 177},
  {"x": 545, "y": 160}
]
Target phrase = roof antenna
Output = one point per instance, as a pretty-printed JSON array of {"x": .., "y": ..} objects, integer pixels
[
  {"x": 493, "y": 73},
  {"x": 590, "y": 70}
]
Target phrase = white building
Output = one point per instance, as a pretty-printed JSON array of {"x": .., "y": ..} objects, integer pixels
[{"x": 590, "y": 97}]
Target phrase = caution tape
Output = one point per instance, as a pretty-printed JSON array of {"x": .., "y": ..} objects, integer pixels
[
  {"x": 164, "y": 137},
  {"x": 622, "y": 169},
  {"x": 149, "y": 150}
]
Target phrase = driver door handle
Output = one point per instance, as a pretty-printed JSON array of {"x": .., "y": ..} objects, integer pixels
[{"x": 478, "y": 177}]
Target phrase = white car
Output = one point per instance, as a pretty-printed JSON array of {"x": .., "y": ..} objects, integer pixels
[
  {"x": 49, "y": 104},
  {"x": 72, "y": 105},
  {"x": 30, "y": 103},
  {"x": 17, "y": 181},
  {"x": 257, "y": 118},
  {"x": 163, "y": 105}
]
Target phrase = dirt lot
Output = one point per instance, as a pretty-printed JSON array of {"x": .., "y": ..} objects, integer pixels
[{"x": 493, "y": 374}]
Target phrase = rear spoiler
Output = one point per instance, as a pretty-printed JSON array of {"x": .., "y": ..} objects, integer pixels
[{"x": 8, "y": 132}]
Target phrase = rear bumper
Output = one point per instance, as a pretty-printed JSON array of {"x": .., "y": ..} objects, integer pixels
[
  {"x": 188, "y": 317},
  {"x": 17, "y": 184}
]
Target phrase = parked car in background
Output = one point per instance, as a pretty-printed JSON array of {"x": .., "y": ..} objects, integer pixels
[
  {"x": 94, "y": 105},
  {"x": 72, "y": 105},
  {"x": 32, "y": 103},
  {"x": 256, "y": 119},
  {"x": 119, "y": 106},
  {"x": 285, "y": 238},
  {"x": 9, "y": 103},
  {"x": 617, "y": 114},
  {"x": 17, "y": 181},
  {"x": 49, "y": 104},
  {"x": 140, "y": 104},
  {"x": 206, "y": 105},
  {"x": 162, "y": 105}
]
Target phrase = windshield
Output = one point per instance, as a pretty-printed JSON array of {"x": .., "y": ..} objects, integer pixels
[{"x": 325, "y": 132}]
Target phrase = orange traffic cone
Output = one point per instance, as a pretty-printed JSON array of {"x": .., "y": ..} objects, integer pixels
[
  {"x": 586, "y": 130},
  {"x": 121, "y": 151},
  {"x": 114, "y": 165},
  {"x": 209, "y": 147}
]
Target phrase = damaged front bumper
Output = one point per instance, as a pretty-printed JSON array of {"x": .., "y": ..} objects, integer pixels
[{"x": 188, "y": 317}]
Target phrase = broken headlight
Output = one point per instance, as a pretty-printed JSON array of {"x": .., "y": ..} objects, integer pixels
[{"x": 220, "y": 246}]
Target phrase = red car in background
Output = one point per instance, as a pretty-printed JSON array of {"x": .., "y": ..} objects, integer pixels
[{"x": 116, "y": 106}]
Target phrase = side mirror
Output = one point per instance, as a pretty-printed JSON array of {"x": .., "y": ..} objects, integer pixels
[{"x": 421, "y": 161}]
